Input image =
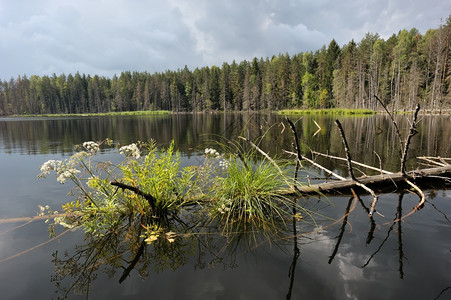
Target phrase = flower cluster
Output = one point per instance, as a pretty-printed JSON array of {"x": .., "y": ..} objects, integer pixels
[
  {"x": 210, "y": 152},
  {"x": 42, "y": 210},
  {"x": 62, "y": 221},
  {"x": 130, "y": 150},
  {"x": 63, "y": 170},
  {"x": 50, "y": 165},
  {"x": 91, "y": 146},
  {"x": 224, "y": 164}
]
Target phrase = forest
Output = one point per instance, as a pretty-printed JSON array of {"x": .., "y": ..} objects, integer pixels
[{"x": 405, "y": 70}]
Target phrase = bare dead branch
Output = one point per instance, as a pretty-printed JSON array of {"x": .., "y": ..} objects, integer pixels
[
  {"x": 317, "y": 165},
  {"x": 433, "y": 160},
  {"x": 353, "y": 161},
  {"x": 412, "y": 132},
  {"x": 348, "y": 154},
  {"x": 150, "y": 199},
  {"x": 398, "y": 133},
  {"x": 296, "y": 147}
]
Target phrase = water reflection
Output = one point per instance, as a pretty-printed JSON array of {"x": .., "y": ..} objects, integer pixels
[
  {"x": 123, "y": 254},
  {"x": 371, "y": 139}
]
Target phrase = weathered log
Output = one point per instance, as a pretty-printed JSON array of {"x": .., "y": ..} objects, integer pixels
[{"x": 382, "y": 182}]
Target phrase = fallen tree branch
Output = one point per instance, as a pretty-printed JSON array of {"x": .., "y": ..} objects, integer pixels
[
  {"x": 150, "y": 199},
  {"x": 382, "y": 180}
]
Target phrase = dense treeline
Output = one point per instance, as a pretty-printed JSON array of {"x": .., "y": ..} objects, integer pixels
[{"x": 406, "y": 69}]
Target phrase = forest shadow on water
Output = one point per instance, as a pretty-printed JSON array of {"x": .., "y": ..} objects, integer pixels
[{"x": 329, "y": 249}]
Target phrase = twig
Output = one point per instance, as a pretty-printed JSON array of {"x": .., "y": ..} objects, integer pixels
[
  {"x": 442, "y": 162},
  {"x": 319, "y": 128},
  {"x": 317, "y": 165},
  {"x": 380, "y": 161},
  {"x": 35, "y": 247},
  {"x": 354, "y": 162}
]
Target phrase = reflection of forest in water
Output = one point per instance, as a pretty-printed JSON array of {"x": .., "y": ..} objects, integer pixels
[{"x": 366, "y": 135}]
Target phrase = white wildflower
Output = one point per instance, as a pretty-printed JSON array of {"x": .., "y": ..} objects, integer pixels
[
  {"x": 224, "y": 164},
  {"x": 50, "y": 165},
  {"x": 61, "y": 221},
  {"x": 91, "y": 146},
  {"x": 69, "y": 173},
  {"x": 42, "y": 210},
  {"x": 211, "y": 152},
  {"x": 130, "y": 150}
]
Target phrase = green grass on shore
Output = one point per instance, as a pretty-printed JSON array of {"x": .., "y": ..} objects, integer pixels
[{"x": 118, "y": 113}]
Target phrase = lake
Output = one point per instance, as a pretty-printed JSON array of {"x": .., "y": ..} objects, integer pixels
[{"x": 346, "y": 255}]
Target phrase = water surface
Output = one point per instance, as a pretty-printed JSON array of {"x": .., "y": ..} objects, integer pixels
[{"x": 402, "y": 260}]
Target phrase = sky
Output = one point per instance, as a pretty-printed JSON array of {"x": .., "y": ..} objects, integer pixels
[{"x": 106, "y": 37}]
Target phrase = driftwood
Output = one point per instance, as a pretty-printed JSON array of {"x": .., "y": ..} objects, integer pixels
[{"x": 381, "y": 182}]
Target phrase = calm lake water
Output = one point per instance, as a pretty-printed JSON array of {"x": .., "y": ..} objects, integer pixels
[{"x": 353, "y": 258}]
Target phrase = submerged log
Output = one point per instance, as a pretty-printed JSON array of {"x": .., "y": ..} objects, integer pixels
[{"x": 382, "y": 182}]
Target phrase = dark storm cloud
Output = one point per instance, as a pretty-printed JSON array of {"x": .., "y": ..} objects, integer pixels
[{"x": 107, "y": 37}]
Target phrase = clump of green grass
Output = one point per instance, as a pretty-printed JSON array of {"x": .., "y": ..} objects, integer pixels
[
  {"x": 332, "y": 111},
  {"x": 248, "y": 196}
]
